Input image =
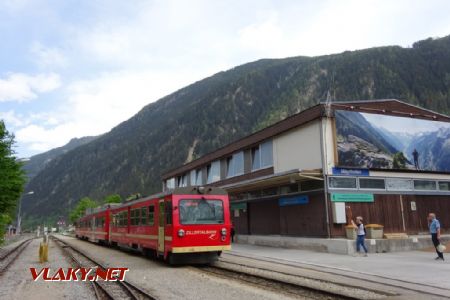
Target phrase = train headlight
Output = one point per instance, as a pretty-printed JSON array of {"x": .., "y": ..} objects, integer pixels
[
  {"x": 223, "y": 232},
  {"x": 181, "y": 233}
]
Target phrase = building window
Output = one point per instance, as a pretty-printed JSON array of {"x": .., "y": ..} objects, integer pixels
[
  {"x": 311, "y": 185},
  {"x": 262, "y": 156},
  {"x": 266, "y": 154},
  {"x": 398, "y": 184},
  {"x": 444, "y": 185},
  {"x": 170, "y": 183},
  {"x": 235, "y": 164},
  {"x": 342, "y": 182},
  {"x": 256, "y": 159},
  {"x": 182, "y": 180},
  {"x": 287, "y": 189},
  {"x": 372, "y": 184},
  {"x": 198, "y": 177},
  {"x": 213, "y": 172},
  {"x": 192, "y": 178},
  {"x": 427, "y": 185}
]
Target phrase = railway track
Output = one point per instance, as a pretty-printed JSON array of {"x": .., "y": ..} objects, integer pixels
[
  {"x": 104, "y": 289},
  {"x": 294, "y": 286},
  {"x": 398, "y": 284},
  {"x": 8, "y": 256}
]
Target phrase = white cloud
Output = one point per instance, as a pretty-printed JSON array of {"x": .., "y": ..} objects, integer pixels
[
  {"x": 12, "y": 119},
  {"x": 92, "y": 107},
  {"x": 265, "y": 37},
  {"x": 22, "y": 87},
  {"x": 47, "y": 57},
  {"x": 130, "y": 55}
]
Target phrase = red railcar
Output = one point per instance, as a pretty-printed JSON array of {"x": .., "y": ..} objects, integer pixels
[
  {"x": 95, "y": 225},
  {"x": 190, "y": 223}
]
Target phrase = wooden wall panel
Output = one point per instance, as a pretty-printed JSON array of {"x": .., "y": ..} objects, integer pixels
[
  {"x": 387, "y": 211},
  {"x": 304, "y": 220},
  {"x": 240, "y": 223},
  {"x": 264, "y": 217},
  {"x": 417, "y": 220}
]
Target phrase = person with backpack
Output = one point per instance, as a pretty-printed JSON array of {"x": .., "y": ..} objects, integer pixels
[{"x": 360, "y": 234}]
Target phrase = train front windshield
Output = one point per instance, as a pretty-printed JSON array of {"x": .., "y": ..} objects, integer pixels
[{"x": 201, "y": 211}]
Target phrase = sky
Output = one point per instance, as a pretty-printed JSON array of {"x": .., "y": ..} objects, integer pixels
[
  {"x": 404, "y": 125},
  {"x": 79, "y": 68}
]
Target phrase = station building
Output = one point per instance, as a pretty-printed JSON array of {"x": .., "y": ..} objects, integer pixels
[{"x": 385, "y": 160}]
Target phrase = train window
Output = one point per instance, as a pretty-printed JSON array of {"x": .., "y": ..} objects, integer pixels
[
  {"x": 135, "y": 216},
  {"x": 201, "y": 211},
  {"x": 151, "y": 215},
  {"x": 168, "y": 213},
  {"x": 121, "y": 219},
  {"x": 144, "y": 216},
  {"x": 124, "y": 218}
]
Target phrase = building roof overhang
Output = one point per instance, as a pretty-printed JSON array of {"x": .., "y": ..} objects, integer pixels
[{"x": 277, "y": 179}]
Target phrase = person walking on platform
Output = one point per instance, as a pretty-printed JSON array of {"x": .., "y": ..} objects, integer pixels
[
  {"x": 233, "y": 232},
  {"x": 435, "y": 230},
  {"x": 360, "y": 234}
]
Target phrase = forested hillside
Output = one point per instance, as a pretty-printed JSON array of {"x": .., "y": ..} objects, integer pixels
[
  {"x": 40, "y": 161},
  {"x": 229, "y": 105}
]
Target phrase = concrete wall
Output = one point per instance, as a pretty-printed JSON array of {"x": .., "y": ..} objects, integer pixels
[
  {"x": 340, "y": 246},
  {"x": 298, "y": 148}
]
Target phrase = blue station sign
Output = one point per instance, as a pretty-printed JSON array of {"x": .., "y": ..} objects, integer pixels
[
  {"x": 350, "y": 172},
  {"x": 298, "y": 200}
]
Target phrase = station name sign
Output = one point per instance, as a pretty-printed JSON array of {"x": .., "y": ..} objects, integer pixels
[{"x": 350, "y": 172}]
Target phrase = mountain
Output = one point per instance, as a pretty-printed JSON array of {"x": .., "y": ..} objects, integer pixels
[
  {"x": 227, "y": 106},
  {"x": 38, "y": 162},
  {"x": 400, "y": 140},
  {"x": 360, "y": 144}
]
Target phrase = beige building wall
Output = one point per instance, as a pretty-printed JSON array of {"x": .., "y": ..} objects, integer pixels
[{"x": 298, "y": 148}]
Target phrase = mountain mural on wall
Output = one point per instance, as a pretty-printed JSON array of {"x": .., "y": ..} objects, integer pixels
[
  {"x": 375, "y": 142},
  {"x": 229, "y": 105}
]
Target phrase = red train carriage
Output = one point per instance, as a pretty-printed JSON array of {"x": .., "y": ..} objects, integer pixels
[
  {"x": 95, "y": 225},
  {"x": 186, "y": 224}
]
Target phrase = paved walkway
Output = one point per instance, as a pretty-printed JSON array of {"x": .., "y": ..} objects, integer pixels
[{"x": 414, "y": 266}]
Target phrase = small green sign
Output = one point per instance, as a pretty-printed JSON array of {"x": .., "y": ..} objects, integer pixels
[
  {"x": 352, "y": 197},
  {"x": 241, "y": 205}
]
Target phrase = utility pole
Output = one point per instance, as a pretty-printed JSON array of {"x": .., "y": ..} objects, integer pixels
[{"x": 19, "y": 213}]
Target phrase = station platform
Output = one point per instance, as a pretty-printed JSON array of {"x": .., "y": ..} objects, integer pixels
[
  {"x": 412, "y": 267},
  {"x": 341, "y": 245}
]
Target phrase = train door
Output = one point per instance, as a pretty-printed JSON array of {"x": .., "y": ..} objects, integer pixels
[
  {"x": 161, "y": 218},
  {"x": 109, "y": 217},
  {"x": 92, "y": 237}
]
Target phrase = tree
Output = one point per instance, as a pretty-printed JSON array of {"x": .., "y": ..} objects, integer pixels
[
  {"x": 81, "y": 207},
  {"x": 113, "y": 198},
  {"x": 399, "y": 161},
  {"x": 12, "y": 178}
]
